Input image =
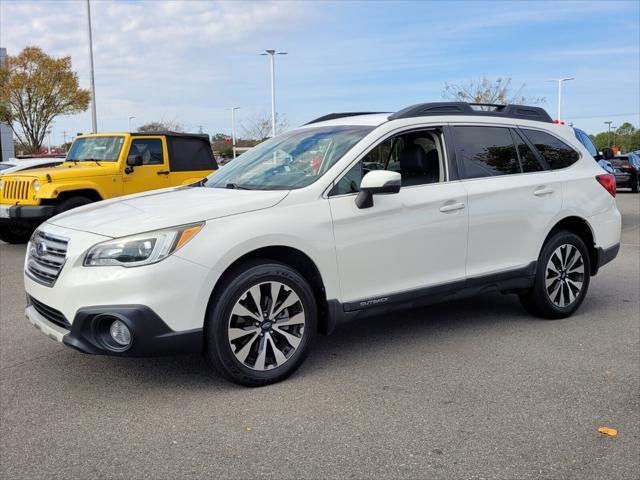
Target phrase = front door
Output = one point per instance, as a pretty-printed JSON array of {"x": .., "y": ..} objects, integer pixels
[
  {"x": 407, "y": 241},
  {"x": 154, "y": 171}
]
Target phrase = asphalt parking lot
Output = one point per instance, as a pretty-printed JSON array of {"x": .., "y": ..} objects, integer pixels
[{"x": 474, "y": 389}]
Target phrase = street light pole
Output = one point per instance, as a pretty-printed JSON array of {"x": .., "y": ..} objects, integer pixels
[
  {"x": 272, "y": 54},
  {"x": 233, "y": 129},
  {"x": 560, "y": 81},
  {"x": 130, "y": 118},
  {"x": 609, "y": 125},
  {"x": 94, "y": 121}
]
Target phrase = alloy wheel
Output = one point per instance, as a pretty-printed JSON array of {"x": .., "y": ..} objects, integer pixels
[
  {"x": 565, "y": 275},
  {"x": 266, "y": 326}
]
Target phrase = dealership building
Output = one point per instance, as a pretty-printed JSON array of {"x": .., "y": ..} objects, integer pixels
[{"x": 6, "y": 135}]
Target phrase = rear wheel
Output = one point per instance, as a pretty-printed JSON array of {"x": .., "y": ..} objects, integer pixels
[
  {"x": 15, "y": 232},
  {"x": 261, "y": 324},
  {"x": 635, "y": 186},
  {"x": 562, "y": 277}
]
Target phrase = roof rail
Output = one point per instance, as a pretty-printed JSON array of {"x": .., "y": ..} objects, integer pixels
[
  {"x": 333, "y": 116},
  {"x": 463, "y": 108}
]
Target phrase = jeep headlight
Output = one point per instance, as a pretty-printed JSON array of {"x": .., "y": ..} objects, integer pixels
[
  {"x": 141, "y": 249},
  {"x": 36, "y": 185}
]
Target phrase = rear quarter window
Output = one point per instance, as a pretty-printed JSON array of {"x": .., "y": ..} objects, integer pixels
[
  {"x": 556, "y": 153},
  {"x": 190, "y": 155}
]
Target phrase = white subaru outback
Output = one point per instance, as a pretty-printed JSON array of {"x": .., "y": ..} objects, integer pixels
[{"x": 348, "y": 215}]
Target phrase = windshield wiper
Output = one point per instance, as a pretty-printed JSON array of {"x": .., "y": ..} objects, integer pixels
[
  {"x": 91, "y": 160},
  {"x": 235, "y": 186}
]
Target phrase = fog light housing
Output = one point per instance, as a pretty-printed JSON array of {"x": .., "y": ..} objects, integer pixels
[{"x": 120, "y": 333}]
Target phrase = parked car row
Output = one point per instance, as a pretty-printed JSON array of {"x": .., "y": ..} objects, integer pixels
[
  {"x": 349, "y": 215},
  {"x": 627, "y": 171}
]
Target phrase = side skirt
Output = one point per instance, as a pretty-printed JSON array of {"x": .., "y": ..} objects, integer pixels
[{"x": 507, "y": 281}]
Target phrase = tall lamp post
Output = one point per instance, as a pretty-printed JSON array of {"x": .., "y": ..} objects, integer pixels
[
  {"x": 130, "y": 118},
  {"x": 233, "y": 129},
  {"x": 609, "y": 125},
  {"x": 560, "y": 82},
  {"x": 272, "y": 54},
  {"x": 94, "y": 121}
]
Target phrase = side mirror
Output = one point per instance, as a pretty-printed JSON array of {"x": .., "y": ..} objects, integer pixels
[
  {"x": 607, "y": 153},
  {"x": 377, "y": 182},
  {"x": 134, "y": 160}
]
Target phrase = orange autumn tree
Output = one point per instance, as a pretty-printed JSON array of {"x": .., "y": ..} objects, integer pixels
[{"x": 35, "y": 88}]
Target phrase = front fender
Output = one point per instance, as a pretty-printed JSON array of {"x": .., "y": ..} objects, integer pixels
[{"x": 53, "y": 190}]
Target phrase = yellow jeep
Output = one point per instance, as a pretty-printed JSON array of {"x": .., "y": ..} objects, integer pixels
[{"x": 97, "y": 167}]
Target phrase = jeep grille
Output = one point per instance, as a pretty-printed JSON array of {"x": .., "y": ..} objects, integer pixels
[{"x": 15, "y": 189}]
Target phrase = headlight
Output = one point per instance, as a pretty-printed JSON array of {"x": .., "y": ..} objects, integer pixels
[
  {"x": 36, "y": 185},
  {"x": 141, "y": 249}
]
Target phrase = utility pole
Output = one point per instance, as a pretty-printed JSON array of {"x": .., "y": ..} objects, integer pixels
[
  {"x": 64, "y": 136},
  {"x": 199, "y": 128},
  {"x": 272, "y": 54},
  {"x": 560, "y": 82},
  {"x": 609, "y": 125},
  {"x": 233, "y": 129},
  {"x": 130, "y": 118},
  {"x": 94, "y": 118}
]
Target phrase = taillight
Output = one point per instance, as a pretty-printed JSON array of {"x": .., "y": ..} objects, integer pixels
[
  {"x": 608, "y": 181},
  {"x": 626, "y": 165}
]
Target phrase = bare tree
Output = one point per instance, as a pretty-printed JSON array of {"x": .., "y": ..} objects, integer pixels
[
  {"x": 259, "y": 127},
  {"x": 162, "y": 126},
  {"x": 489, "y": 91}
]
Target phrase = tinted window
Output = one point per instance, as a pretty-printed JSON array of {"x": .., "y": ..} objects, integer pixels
[
  {"x": 150, "y": 149},
  {"x": 557, "y": 153},
  {"x": 485, "y": 151},
  {"x": 586, "y": 141},
  {"x": 528, "y": 159},
  {"x": 191, "y": 154}
]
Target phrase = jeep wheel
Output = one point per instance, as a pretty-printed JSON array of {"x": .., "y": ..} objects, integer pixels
[
  {"x": 15, "y": 232},
  {"x": 260, "y": 326},
  {"x": 562, "y": 277},
  {"x": 70, "y": 203}
]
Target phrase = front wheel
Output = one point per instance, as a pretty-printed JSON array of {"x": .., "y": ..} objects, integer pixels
[
  {"x": 562, "y": 277},
  {"x": 260, "y": 326}
]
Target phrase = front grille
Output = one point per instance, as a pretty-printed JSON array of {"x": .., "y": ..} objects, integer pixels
[
  {"x": 45, "y": 258},
  {"x": 51, "y": 314},
  {"x": 15, "y": 189}
]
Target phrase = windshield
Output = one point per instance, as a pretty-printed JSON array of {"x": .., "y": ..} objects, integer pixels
[
  {"x": 91, "y": 149},
  {"x": 289, "y": 161}
]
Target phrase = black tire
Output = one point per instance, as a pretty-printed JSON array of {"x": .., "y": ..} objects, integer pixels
[
  {"x": 218, "y": 350},
  {"x": 16, "y": 232},
  {"x": 70, "y": 203},
  {"x": 539, "y": 300},
  {"x": 635, "y": 186}
]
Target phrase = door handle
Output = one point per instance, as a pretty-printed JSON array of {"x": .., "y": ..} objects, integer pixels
[
  {"x": 452, "y": 207},
  {"x": 542, "y": 191},
  {"x": 163, "y": 172}
]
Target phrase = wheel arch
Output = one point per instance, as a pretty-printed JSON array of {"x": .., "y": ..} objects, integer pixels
[
  {"x": 297, "y": 260},
  {"x": 582, "y": 229}
]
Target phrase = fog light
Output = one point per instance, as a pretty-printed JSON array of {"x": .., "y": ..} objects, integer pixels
[{"x": 120, "y": 333}]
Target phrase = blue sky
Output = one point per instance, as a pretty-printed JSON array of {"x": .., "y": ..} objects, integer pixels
[{"x": 187, "y": 61}]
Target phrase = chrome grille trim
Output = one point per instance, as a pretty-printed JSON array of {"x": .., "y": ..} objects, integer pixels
[{"x": 45, "y": 258}]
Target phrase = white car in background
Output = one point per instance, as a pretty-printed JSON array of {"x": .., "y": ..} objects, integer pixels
[
  {"x": 16, "y": 165},
  {"x": 348, "y": 215}
]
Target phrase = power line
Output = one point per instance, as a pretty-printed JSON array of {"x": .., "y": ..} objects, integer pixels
[{"x": 607, "y": 115}]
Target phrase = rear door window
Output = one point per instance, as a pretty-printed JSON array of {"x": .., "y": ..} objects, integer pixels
[
  {"x": 190, "y": 155},
  {"x": 557, "y": 153},
  {"x": 485, "y": 151}
]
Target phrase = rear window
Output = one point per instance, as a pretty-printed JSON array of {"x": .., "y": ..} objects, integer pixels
[
  {"x": 190, "y": 154},
  {"x": 557, "y": 153}
]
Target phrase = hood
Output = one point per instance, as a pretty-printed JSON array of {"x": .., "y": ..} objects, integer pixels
[
  {"x": 165, "y": 208},
  {"x": 69, "y": 170}
]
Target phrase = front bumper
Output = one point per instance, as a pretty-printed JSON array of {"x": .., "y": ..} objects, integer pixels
[
  {"x": 90, "y": 329},
  {"x": 26, "y": 212}
]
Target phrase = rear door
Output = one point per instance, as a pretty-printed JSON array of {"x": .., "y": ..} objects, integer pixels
[
  {"x": 154, "y": 171},
  {"x": 511, "y": 197}
]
